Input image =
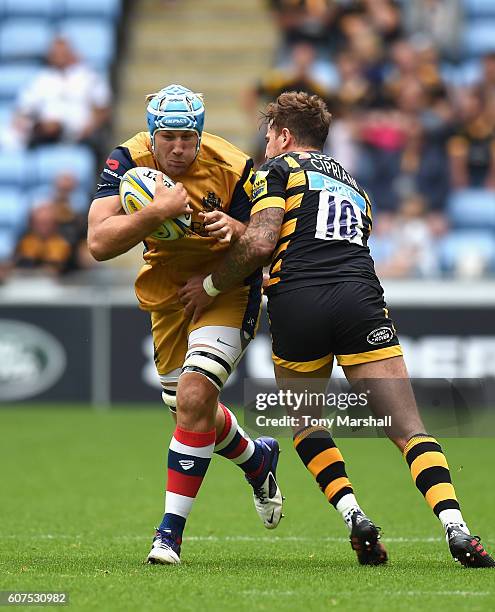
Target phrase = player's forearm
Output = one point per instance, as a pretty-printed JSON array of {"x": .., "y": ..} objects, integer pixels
[
  {"x": 242, "y": 259},
  {"x": 253, "y": 249},
  {"x": 118, "y": 234},
  {"x": 239, "y": 230}
]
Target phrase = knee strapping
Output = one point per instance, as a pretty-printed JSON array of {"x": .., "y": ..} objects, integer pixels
[{"x": 215, "y": 365}]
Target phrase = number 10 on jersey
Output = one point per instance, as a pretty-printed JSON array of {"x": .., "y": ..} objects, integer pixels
[{"x": 338, "y": 219}]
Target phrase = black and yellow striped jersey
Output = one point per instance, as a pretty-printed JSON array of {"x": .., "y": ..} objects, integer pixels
[{"x": 326, "y": 225}]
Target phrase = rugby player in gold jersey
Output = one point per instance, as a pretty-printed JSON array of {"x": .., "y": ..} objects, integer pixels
[{"x": 194, "y": 358}]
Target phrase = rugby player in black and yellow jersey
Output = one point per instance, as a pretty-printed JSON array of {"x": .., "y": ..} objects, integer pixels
[
  {"x": 193, "y": 358},
  {"x": 312, "y": 220}
]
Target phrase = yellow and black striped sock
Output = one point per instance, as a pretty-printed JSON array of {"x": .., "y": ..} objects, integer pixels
[
  {"x": 319, "y": 453},
  {"x": 430, "y": 473}
]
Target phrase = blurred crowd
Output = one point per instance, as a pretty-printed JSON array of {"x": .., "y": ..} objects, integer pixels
[
  {"x": 56, "y": 60},
  {"x": 413, "y": 120},
  {"x": 66, "y": 102},
  {"x": 411, "y": 87}
]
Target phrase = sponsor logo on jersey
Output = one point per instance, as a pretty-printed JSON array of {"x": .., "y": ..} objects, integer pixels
[
  {"x": 107, "y": 171},
  {"x": 380, "y": 335},
  {"x": 186, "y": 464},
  {"x": 326, "y": 164},
  {"x": 104, "y": 185},
  {"x": 260, "y": 186},
  {"x": 211, "y": 201},
  {"x": 319, "y": 182},
  {"x": 113, "y": 164},
  {"x": 31, "y": 360}
]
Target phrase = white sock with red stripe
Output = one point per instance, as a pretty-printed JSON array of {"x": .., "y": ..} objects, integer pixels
[
  {"x": 234, "y": 444},
  {"x": 189, "y": 456}
]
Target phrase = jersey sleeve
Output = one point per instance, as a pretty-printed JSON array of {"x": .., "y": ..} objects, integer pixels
[
  {"x": 240, "y": 204},
  {"x": 117, "y": 164},
  {"x": 269, "y": 187}
]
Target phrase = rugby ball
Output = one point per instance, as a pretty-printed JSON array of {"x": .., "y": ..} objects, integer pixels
[{"x": 137, "y": 189}]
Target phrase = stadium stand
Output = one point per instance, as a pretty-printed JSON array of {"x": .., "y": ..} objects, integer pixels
[
  {"x": 413, "y": 116},
  {"x": 13, "y": 168},
  {"x": 402, "y": 80},
  {"x": 479, "y": 8},
  {"x": 472, "y": 209},
  {"x": 93, "y": 39},
  {"x": 110, "y": 9},
  {"x": 27, "y": 29},
  {"x": 33, "y": 8},
  {"x": 49, "y": 161},
  {"x": 13, "y": 77},
  {"x": 22, "y": 38},
  {"x": 478, "y": 37},
  {"x": 468, "y": 253}
]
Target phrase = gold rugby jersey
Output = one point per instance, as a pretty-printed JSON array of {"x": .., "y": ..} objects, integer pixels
[
  {"x": 219, "y": 178},
  {"x": 326, "y": 225}
]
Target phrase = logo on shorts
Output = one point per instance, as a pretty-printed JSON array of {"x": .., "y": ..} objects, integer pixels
[
  {"x": 186, "y": 464},
  {"x": 380, "y": 335}
]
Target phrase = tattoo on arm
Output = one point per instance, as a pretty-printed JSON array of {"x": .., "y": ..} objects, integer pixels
[{"x": 252, "y": 249}]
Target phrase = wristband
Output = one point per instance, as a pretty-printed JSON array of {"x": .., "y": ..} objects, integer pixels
[{"x": 209, "y": 287}]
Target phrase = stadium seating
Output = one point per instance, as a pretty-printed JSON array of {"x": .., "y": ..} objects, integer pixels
[
  {"x": 479, "y": 37},
  {"x": 13, "y": 76},
  {"x": 5, "y": 114},
  {"x": 7, "y": 243},
  {"x": 27, "y": 28},
  {"x": 468, "y": 250},
  {"x": 36, "y": 8},
  {"x": 25, "y": 38},
  {"x": 93, "y": 39},
  {"x": 95, "y": 8},
  {"x": 464, "y": 74},
  {"x": 14, "y": 210},
  {"x": 51, "y": 160},
  {"x": 381, "y": 248},
  {"x": 472, "y": 209},
  {"x": 479, "y": 8},
  {"x": 13, "y": 168},
  {"x": 39, "y": 194}
]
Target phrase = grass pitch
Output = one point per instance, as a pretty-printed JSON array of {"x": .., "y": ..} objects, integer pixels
[{"x": 81, "y": 492}]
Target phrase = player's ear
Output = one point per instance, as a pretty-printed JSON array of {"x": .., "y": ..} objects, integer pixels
[{"x": 286, "y": 136}]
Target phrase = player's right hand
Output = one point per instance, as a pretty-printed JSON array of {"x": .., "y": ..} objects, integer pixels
[
  {"x": 221, "y": 226},
  {"x": 171, "y": 201}
]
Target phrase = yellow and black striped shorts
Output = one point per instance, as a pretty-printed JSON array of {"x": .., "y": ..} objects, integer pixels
[{"x": 348, "y": 320}]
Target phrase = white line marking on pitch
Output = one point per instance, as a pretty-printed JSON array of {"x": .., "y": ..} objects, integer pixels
[
  {"x": 272, "y": 592},
  {"x": 440, "y": 593},
  {"x": 236, "y": 538},
  {"x": 275, "y": 592},
  {"x": 212, "y": 538}
]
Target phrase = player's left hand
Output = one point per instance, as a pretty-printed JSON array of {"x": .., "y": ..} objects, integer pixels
[
  {"x": 222, "y": 227},
  {"x": 194, "y": 298}
]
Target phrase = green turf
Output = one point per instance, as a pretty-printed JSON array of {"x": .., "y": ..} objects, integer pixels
[{"x": 81, "y": 492}]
